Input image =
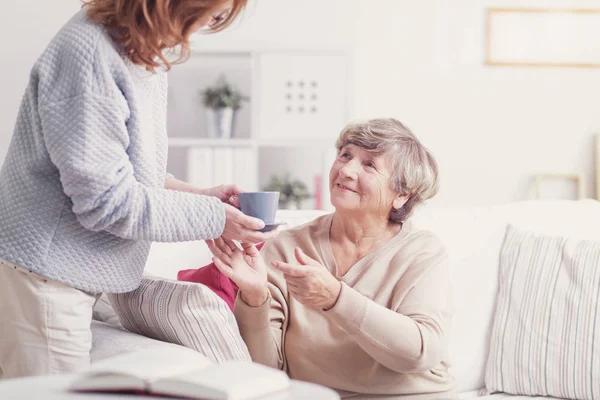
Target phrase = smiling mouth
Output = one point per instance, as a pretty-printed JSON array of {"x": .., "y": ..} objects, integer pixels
[{"x": 345, "y": 188}]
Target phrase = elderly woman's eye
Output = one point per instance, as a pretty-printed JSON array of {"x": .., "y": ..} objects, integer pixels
[
  {"x": 345, "y": 155},
  {"x": 370, "y": 164}
]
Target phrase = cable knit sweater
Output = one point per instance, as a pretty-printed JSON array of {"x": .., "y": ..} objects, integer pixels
[
  {"x": 385, "y": 338},
  {"x": 82, "y": 188}
]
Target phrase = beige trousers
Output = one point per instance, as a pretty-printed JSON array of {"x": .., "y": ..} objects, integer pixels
[{"x": 44, "y": 324}]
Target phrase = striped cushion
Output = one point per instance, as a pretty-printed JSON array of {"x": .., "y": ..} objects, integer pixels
[
  {"x": 546, "y": 334},
  {"x": 183, "y": 313}
]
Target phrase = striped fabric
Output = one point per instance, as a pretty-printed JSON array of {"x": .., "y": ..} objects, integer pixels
[
  {"x": 183, "y": 313},
  {"x": 546, "y": 335}
]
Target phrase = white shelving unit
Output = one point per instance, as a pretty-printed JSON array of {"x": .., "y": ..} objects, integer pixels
[
  {"x": 202, "y": 142},
  {"x": 299, "y": 102}
]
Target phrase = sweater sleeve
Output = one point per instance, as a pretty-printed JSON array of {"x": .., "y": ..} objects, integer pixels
[
  {"x": 411, "y": 338},
  {"x": 87, "y": 139},
  {"x": 263, "y": 328}
]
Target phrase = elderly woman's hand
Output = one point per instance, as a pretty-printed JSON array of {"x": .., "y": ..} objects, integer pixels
[
  {"x": 245, "y": 267},
  {"x": 310, "y": 283}
]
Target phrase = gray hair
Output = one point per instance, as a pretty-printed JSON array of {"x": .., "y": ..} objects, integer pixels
[{"x": 414, "y": 169}]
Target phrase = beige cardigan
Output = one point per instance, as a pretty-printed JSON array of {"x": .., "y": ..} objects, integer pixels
[{"x": 387, "y": 333}]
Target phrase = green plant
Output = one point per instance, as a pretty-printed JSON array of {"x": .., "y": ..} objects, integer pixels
[
  {"x": 290, "y": 190},
  {"x": 222, "y": 95}
]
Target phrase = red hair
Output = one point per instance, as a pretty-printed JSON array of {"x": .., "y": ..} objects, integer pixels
[{"x": 145, "y": 28}]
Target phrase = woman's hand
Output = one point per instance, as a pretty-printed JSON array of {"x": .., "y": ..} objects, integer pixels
[
  {"x": 243, "y": 228},
  {"x": 310, "y": 283},
  {"x": 238, "y": 226},
  {"x": 245, "y": 267},
  {"x": 226, "y": 193}
]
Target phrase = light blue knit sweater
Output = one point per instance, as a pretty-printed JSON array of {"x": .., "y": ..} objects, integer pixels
[{"x": 81, "y": 196}]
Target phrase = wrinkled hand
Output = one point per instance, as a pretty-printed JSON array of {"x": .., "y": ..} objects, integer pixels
[
  {"x": 310, "y": 283},
  {"x": 243, "y": 228},
  {"x": 226, "y": 193},
  {"x": 245, "y": 267}
]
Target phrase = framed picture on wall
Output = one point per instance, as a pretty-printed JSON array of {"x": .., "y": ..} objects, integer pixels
[
  {"x": 557, "y": 185},
  {"x": 542, "y": 37}
]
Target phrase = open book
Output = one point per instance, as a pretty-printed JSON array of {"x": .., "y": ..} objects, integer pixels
[{"x": 186, "y": 375}]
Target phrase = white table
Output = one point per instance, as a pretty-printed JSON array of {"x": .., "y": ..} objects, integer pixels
[{"x": 54, "y": 388}]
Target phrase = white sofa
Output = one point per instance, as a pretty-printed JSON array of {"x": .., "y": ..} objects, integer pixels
[{"x": 473, "y": 236}]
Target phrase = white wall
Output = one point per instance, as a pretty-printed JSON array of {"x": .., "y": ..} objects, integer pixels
[
  {"x": 290, "y": 24},
  {"x": 282, "y": 24},
  {"x": 26, "y": 28},
  {"x": 491, "y": 128}
]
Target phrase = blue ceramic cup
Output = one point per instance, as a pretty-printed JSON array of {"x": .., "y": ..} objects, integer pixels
[{"x": 262, "y": 205}]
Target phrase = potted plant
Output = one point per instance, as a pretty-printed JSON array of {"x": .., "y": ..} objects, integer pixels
[
  {"x": 222, "y": 100},
  {"x": 291, "y": 191}
]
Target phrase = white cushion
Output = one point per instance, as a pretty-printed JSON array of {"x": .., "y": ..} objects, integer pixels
[
  {"x": 183, "y": 313},
  {"x": 577, "y": 219},
  {"x": 167, "y": 259},
  {"x": 546, "y": 331},
  {"x": 474, "y": 236},
  {"x": 109, "y": 341},
  {"x": 103, "y": 311},
  {"x": 504, "y": 396}
]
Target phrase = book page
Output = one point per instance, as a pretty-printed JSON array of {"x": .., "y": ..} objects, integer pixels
[
  {"x": 229, "y": 380},
  {"x": 151, "y": 364},
  {"x": 109, "y": 382}
]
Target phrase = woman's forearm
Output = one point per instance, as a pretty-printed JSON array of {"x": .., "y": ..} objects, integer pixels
[
  {"x": 261, "y": 330},
  {"x": 397, "y": 341},
  {"x": 181, "y": 186}
]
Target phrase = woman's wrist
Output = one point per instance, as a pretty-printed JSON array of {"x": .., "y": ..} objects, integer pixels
[
  {"x": 181, "y": 186},
  {"x": 335, "y": 291},
  {"x": 255, "y": 299}
]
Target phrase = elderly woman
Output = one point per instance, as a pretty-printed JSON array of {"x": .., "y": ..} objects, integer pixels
[{"x": 358, "y": 300}]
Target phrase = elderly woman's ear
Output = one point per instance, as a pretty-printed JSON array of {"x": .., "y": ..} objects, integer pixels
[{"x": 400, "y": 201}]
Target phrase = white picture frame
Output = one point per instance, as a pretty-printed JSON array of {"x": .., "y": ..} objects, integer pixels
[{"x": 542, "y": 37}]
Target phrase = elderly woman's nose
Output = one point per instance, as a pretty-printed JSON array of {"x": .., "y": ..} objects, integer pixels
[{"x": 350, "y": 169}]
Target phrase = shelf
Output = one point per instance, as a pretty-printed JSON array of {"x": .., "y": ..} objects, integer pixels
[
  {"x": 318, "y": 144},
  {"x": 205, "y": 142}
]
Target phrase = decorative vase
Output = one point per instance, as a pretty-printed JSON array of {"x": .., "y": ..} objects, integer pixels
[{"x": 220, "y": 122}]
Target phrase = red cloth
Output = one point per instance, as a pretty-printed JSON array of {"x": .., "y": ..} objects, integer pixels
[{"x": 210, "y": 276}]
